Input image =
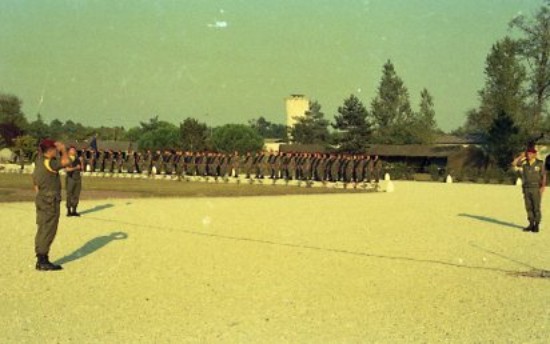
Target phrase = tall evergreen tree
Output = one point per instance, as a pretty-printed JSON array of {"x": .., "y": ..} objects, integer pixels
[
  {"x": 353, "y": 124},
  {"x": 424, "y": 124},
  {"x": 503, "y": 140},
  {"x": 535, "y": 48},
  {"x": 312, "y": 128},
  {"x": 503, "y": 91},
  {"x": 38, "y": 128},
  {"x": 391, "y": 108}
]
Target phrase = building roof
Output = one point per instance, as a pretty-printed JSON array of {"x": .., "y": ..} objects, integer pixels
[
  {"x": 413, "y": 151},
  {"x": 296, "y": 148},
  {"x": 447, "y": 139},
  {"x": 104, "y": 145}
]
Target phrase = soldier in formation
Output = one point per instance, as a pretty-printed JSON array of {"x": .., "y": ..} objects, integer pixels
[{"x": 322, "y": 167}]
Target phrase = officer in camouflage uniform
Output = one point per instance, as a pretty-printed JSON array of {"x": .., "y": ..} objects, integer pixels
[
  {"x": 73, "y": 182},
  {"x": 533, "y": 175},
  {"x": 47, "y": 185}
]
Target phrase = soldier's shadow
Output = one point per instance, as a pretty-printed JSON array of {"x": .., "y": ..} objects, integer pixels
[
  {"x": 491, "y": 220},
  {"x": 97, "y": 208},
  {"x": 91, "y": 247}
]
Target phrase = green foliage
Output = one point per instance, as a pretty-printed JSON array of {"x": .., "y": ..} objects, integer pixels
[
  {"x": 391, "y": 109},
  {"x": 12, "y": 119},
  {"x": 400, "y": 171},
  {"x": 503, "y": 140},
  {"x": 268, "y": 129},
  {"x": 38, "y": 128},
  {"x": 505, "y": 77},
  {"x": 311, "y": 128},
  {"x": 424, "y": 125},
  {"x": 353, "y": 125},
  {"x": 158, "y": 135},
  {"x": 26, "y": 143},
  {"x": 236, "y": 137},
  {"x": 534, "y": 46},
  {"x": 193, "y": 135}
]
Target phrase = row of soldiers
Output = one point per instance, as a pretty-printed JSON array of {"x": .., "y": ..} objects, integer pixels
[{"x": 260, "y": 165}]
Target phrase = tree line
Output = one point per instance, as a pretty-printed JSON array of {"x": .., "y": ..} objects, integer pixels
[{"x": 512, "y": 111}]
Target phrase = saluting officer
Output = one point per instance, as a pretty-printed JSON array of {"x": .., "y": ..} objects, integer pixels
[
  {"x": 73, "y": 182},
  {"x": 533, "y": 175},
  {"x": 47, "y": 185}
]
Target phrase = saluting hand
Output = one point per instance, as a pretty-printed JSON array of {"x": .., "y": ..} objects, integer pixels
[{"x": 60, "y": 146}]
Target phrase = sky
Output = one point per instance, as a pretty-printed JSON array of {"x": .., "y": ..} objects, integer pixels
[{"x": 103, "y": 62}]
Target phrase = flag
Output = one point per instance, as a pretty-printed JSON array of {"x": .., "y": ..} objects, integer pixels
[{"x": 93, "y": 143}]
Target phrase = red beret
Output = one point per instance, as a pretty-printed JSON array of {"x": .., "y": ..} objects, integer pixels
[
  {"x": 532, "y": 150},
  {"x": 47, "y": 144}
]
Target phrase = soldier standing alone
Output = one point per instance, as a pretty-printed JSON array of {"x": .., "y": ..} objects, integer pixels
[
  {"x": 533, "y": 175},
  {"x": 73, "y": 182},
  {"x": 47, "y": 185}
]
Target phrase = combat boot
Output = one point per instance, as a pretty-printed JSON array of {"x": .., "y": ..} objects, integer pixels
[
  {"x": 75, "y": 213},
  {"x": 43, "y": 264},
  {"x": 69, "y": 212},
  {"x": 529, "y": 228},
  {"x": 535, "y": 228}
]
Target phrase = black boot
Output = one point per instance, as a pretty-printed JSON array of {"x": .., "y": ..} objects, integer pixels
[
  {"x": 535, "y": 228},
  {"x": 75, "y": 213},
  {"x": 529, "y": 228},
  {"x": 69, "y": 212},
  {"x": 43, "y": 264}
]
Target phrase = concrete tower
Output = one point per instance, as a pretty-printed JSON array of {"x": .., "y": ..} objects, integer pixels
[{"x": 296, "y": 106}]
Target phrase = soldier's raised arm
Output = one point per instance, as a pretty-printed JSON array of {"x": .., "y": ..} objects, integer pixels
[
  {"x": 518, "y": 160},
  {"x": 64, "y": 159}
]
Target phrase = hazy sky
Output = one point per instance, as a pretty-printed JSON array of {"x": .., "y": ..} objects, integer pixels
[{"x": 119, "y": 62}]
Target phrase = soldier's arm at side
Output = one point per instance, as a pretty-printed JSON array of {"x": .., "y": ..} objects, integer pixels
[
  {"x": 543, "y": 182},
  {"x": 34, "y": 185}
]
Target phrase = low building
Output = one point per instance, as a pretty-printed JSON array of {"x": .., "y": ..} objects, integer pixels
[
  {"x": 421, "y": 157},
  {"x": 106, "y": 145}
]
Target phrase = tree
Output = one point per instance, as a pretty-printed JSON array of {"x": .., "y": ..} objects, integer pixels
[
  {"x": 353, "y": 125},
  {"x": 163, "y": 136},
  {"x": 426, "y": 126},
  {"x": 312, "y": 128},
  {"x": 154, "y": 134},
  {"x": 503, "y": 140},
  {"x": 38, "y": 128},
  {"x": 56, "y": 129},
  {"x": 26, "y": 143},
  {"x": 236, "y": 137},
  {"x": 535, "y": 49},
  {"x": 391, "y": 108},
  {"x": 193, "y": 135},
  {"x": 268, "y": 129},
  {"x": 12, "y": 119},
  {"x": 503, "y": 90}
]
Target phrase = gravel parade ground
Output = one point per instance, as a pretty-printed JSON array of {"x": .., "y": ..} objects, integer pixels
[{"x": 428, "y": 263}]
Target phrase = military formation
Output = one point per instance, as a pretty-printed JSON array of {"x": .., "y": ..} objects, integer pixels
[{"x": 321, "y": 167}]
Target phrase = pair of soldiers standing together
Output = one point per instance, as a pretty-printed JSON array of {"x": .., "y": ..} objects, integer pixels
[{"x": 47, "y": 185}]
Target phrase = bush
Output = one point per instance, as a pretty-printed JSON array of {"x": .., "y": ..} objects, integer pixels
[
  {"x": 400, "y": 171},
  {"x": 237, "y": 137}
]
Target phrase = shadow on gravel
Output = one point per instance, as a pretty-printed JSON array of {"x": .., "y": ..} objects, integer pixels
[
  {"x": 491, "y": 220},
  {"x": 91, "y": 247},
  {"x": 97, "y": 208},
  {"x": 316, "y": 248}
]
